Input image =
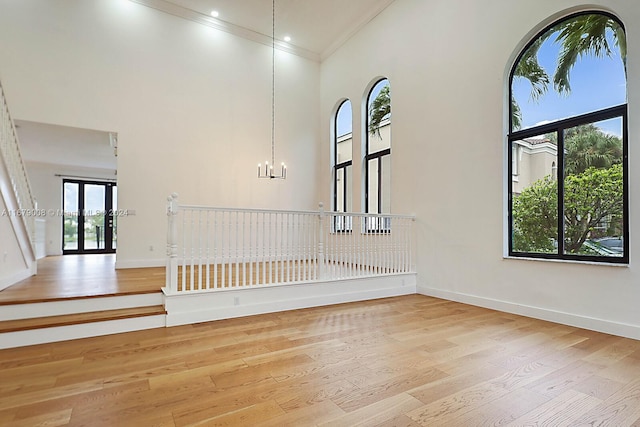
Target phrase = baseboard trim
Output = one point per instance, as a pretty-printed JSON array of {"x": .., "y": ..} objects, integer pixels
[
  {"x": 570, "y": 319},
  {"x": 5, "y": 282},
  {"x": 199, "y": 307},
  {"x": 140, "y": 263}
]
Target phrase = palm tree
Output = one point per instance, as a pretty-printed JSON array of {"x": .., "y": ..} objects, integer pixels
[
  {"x": 578, "y": 36},
  {"x": 379, "y": 110},
  {"x": 587, "y": 146},
  {"x": 586, "y": 35},
  {"x": 529, "y": 68}
]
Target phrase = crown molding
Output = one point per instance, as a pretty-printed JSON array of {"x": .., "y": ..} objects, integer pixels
[
  {"x": 359, "y": 25},
  {"x": 237, "y": 30}
]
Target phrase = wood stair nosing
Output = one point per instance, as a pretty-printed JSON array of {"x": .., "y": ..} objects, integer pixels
[{"x": 80, "y": 318}]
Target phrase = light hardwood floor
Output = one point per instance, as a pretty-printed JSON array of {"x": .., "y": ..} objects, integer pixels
[
  {"x": 82, "y": 276},
  {"x": 405, "y": 361}
]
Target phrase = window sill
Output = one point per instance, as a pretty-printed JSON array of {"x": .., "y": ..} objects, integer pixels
[{"x": 568, "y": 261}]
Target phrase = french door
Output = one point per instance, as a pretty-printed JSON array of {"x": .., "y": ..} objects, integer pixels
[{"x": 89, "y": 223}]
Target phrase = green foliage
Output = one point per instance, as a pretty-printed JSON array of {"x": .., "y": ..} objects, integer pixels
[
  {"x": 579, "y": 36},
  {"x": 587, "y": 146},
  {"x": 585, "y": 35},
  {"x": 379, "y": 110},
  {"x": 590, "y": 197},
  {"x": 535, "y": 217}
]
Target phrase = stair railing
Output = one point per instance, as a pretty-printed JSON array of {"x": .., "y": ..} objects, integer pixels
[{"x": 23, "y": 209}]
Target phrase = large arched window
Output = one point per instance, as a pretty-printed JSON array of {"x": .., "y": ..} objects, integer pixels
[
  {"x": 568, "y": 170},
  {"x": 378, "y": 152},
  {"x": 343, "y": 158}
]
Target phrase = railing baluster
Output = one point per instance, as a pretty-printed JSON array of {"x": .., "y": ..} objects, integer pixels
[
  {"x": 281, "y": 247},
  {"x": 237, "y": 253},
  {"x": 251, "y": 246},
  {"x": 229, "y": 279}
]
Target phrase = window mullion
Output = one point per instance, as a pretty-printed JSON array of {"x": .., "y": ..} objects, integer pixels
[{"x": 560, "y": 181}]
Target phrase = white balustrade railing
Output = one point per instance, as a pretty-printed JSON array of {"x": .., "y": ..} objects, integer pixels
[
  {"x": 10, "y": 155},
  {"x": 213, "y": 248}
]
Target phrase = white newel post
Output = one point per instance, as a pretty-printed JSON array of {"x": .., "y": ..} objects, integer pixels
[
  {"x": 321, "y": 266},
  {"x": 172, "y": 244}
]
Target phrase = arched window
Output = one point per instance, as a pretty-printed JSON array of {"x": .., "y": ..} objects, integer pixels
[
  {"x": 343, "y": 158},
  {"x": 378, "y": 152},
  {"x": 568, "y": 170}
]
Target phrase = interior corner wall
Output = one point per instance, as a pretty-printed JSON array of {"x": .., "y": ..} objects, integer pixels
[
  {"x": 448, "y": 63},
  {"x": 191, "y": 106}
]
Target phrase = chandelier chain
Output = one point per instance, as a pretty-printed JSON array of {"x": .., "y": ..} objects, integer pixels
[{"x": 273, "y": 82}]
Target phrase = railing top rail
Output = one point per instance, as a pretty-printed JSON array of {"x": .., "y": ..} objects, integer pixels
[
  {"x": 297, "y": 212},
  {"x": 247, "y": 210},
  {"x": 14, "y": 140}
]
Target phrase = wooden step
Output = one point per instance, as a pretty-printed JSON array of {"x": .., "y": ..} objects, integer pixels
[{"x": 79, "y": 318}]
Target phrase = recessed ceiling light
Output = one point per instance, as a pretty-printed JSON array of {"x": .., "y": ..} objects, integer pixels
[
  {"x": 287, "y": 38},
  {"x": 214, "y": 13}
]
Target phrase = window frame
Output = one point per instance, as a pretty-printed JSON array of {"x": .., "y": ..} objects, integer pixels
[
  {"x": 341, "y": 223},
  {"x": 378, "y": 155},
  {"x": 558, "y": 127}
]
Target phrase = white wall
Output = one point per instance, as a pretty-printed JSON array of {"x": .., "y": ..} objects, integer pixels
[
  {"x": 46, "y": 184},
  {"x": 191, "y": 106},
  {"x": 448, "y": 64}
]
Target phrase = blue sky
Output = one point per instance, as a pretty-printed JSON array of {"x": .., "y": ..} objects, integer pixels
[
  {"x": 596, "y": 83},
  {"x": 345, "y": 114}
]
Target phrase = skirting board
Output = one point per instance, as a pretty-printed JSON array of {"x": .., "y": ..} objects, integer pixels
[
  {"x": 5, "y": 282},
  {"x": 584, "y": 322},
  {"x": 196, "y": 307},
  {"x": 140, "y": 263}
]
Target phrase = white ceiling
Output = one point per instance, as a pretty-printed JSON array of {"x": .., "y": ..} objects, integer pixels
[
  {"x": 63, "y": 145},
  {"x": 317, "y": 29},
  {"x": 318, "y": 26}
]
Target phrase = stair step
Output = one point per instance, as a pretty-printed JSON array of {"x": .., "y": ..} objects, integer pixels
[{"x": 79, "y": 318}]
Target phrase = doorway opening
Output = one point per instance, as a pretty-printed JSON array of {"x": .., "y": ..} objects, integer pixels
[{"x": 90, "y": 217}]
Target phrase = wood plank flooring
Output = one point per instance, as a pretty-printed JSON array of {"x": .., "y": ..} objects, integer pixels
[
  {"x": 82, "y": 276},
  {"x": 405, "y": 361},
  {"x": 80, "y": 318}
]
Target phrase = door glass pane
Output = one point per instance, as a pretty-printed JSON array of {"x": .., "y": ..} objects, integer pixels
[
  {"x": 534, "y": 192},
  {"x": 70, "y": 217},
  {"x": 94, "y": 210},
  {"x": 115, "y": 216},
  {"x": 593, "y": 189}
]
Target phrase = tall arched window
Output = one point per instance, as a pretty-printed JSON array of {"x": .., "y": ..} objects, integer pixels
[
  {"x": 378, "y": 152},
  {"x": 343, "y": 158},
  {"x": 568, "y": 169}
]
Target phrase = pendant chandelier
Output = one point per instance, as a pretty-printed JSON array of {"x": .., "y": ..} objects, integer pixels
[{"x": 268, "y": 170}]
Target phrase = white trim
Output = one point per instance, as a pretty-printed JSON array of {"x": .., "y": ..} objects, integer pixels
[
  {"x": 84, "y": 330},
  {"x": 83, "y": 305},
  {"x": 354, "y": 28},
  {"x": 570, "y": 319},
  {"x": 5, "y": 282},
  {"x": 140, "y": 263},
  {"x": 236, "y": 30},
  {"x": 188, "y": 308}
]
